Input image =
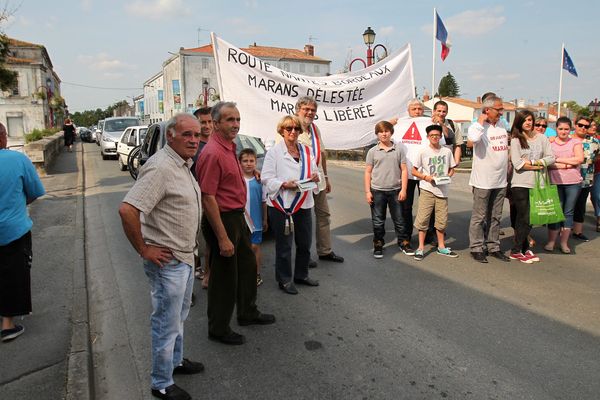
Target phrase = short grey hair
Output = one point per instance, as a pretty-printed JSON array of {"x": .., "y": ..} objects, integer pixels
[
  {"x": 305, "y": 100},
  {"x": 415, "y": 101},
  {"x": 171, "y": 123},
  {"x": 215, "y": 113},
  {"x": 490, "y": 101}
]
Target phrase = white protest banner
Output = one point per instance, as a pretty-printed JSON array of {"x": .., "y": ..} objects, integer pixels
[
  {"x": 410, "y": 133},
  {"x": 350, "y": 104}
]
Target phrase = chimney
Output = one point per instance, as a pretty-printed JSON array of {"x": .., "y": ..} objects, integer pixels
[
  {"x": 479, "y": 99},
  {"x": 309, "y": 49}
]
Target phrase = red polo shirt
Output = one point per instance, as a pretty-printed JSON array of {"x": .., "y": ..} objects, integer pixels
[{"x": 220, "y": 175}]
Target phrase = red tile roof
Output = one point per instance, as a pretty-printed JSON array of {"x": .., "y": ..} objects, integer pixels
[
  {"x": 16, "y": 60},
  {"x": 21, "y": 43},
  {"x": 265, "y": 52}
]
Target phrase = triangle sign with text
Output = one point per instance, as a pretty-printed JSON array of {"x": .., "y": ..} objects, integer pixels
[{"x": 412, "y": 133}]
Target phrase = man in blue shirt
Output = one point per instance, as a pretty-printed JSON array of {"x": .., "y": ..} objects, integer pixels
[{"x": 21, "y": 186}]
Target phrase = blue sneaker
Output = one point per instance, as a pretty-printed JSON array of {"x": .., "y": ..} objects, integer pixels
[
  {"x": 419, "y": 256},
  {"x": 447, "y": 252}
]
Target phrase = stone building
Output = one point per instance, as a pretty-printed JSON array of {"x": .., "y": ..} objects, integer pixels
[{"x": 35, "y": 101}]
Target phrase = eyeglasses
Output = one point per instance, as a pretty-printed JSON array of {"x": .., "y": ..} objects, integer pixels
[
  {"x": 307, "y": 109},
  {"x": 540, "y": 126},
  {"x": 498, "y": 109},
  {"x": 293, "y": 128},
  {"x": 435, "y": 135},
  {"x": 583, "y": 125}
]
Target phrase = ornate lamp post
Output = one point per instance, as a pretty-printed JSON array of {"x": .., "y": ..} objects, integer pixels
[
  {"x": 369, "y": 39},
  {"x": 206, "y": 88}
]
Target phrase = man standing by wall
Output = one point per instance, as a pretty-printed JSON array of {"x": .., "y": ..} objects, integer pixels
[
  {"x": 169, "y": 197},
  {"x": 233, "y": 265},
  {"x": 488, "y": 179},
  {"x": 306, "y": 109},
  {"x": 20, "y": 186}
]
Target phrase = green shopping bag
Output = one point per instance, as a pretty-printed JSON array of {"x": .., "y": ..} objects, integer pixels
[{"x": 544, "y": 204}]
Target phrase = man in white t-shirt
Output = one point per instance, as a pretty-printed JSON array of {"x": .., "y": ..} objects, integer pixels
[{"x": 488, "y": 179}]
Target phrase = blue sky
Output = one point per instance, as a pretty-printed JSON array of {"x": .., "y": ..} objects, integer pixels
[{"x": 510, "y": 47}]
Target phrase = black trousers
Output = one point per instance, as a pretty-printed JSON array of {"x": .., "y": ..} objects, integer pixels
[
  {"x": 232, "y": 279},
  {"x": 283, "y": 244},
  {"x": 520, "y": 215},
  {"x": 407, "y": 209},
  {"x": 15, "y": 277}
]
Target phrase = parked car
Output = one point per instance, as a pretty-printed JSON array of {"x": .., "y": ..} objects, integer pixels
[
  {"x": 131, "y": 138},
  {"x": 111, "y": 132},
  {"x": 155, "y": 140},
  {"x": 98, "y": 132},
  {"x": 85, "y": 135}
]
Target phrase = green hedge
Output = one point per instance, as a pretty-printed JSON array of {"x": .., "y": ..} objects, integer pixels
[{"x": 38, "y": 134}]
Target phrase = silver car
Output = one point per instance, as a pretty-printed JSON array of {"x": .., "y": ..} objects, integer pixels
[{"x": 111, "y": 133}]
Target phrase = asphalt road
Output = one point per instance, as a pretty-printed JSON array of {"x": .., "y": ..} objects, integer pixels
[{"x": 375, "y": 329}]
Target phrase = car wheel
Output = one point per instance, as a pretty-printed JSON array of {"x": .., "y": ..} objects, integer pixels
[
  {"x": 122, "y": 166},
  {"x": 133, "y": 161}
]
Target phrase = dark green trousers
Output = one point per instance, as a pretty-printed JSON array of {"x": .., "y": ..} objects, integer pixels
[{"x": 232, "y": 279}]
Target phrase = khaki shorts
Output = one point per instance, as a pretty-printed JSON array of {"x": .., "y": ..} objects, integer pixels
[{"x": 427, "y": 203}]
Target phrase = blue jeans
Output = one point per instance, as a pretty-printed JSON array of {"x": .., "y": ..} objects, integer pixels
[
  {"x": 568, "y": 197},
  {"x": 382, "y": 200},
  {"x": 596, "y": 195},
  {"x": 171, "y": 290}
]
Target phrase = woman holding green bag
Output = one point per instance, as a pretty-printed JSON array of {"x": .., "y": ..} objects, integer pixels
[
  {"x": 568, "y": 155},
  {"x": 530, "y": 152}
]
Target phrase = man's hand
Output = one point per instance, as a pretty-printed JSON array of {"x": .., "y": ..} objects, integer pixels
[
  {"x": 402, "y": 195},
  {"x": 226, "y": 248},
  {"x": 156, "y": 254},
  {"x": 369, "y": 197},
  {"x": 482, "y": 118},
  {"x": 327, "y": 186}
]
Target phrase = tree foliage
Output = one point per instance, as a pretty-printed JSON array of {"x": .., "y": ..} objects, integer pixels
[
  {"x": 91, "y": 117},
  {"x": 448, "y": 86},
  {"x": 576, "y": 108}
]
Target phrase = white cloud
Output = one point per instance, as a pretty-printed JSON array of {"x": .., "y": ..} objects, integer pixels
[
  {"x": 385, "y": 31},
  {"x": 158, "y": 9},
  {"x": 86, "y": 5},
  {"x": 472, "y": 22},
  {"x": 105, "y": 64},
  {"x": 242, "y": 26}
]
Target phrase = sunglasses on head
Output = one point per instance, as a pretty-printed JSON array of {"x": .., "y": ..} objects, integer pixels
[
  {"x": 541, "y": 125},
  {"x": 583, "y": 125}
]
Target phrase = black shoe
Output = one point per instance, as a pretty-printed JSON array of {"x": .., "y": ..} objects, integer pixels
[
  {"x": 500, "y": 256},
  {"x": 581, "y": 236},
  {"x": 378, "y": 249},
  {"x": 13, "y": 333},
  {"x": 332, "y": 257},
  {"x": 232, "y": 338},
  {"x": 406, "y": 248},
  {"x": 172, "y": 392},
  {"x": 289, "y": 288},
  {"x": 307, "y": 282},
  {"x": 193, "y": 302},
  {"x": 312, "y": 264},
  {"x": 260, "y": 319},
  {"x": 479, "y": 256},
  {"x": 188, "y": 367}
]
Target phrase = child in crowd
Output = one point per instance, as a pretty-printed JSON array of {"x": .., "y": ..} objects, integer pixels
[
  {"x": 256, "y": 206},
  {"x": 386, "y": 180},
  {"x": 434, "y": 166}
]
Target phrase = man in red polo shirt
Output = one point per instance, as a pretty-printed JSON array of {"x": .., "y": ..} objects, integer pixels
[{"x": 232, "y": 262}]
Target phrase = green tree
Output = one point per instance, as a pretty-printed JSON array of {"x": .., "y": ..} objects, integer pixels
[
  {"x": 448, "y": 87},
  {"x": 8, "y": 79},
  {"x": 576, "y": 108}
]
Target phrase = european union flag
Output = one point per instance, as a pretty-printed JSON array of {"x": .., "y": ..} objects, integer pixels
[{"x": 568, "y": 63}]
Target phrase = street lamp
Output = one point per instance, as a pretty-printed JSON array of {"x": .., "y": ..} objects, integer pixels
[
  {"x": 206, "y": 88},
  {"x": 369, "y": 39}
]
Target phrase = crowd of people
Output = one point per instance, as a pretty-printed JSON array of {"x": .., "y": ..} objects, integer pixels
[{"x": 199, "y": 209}]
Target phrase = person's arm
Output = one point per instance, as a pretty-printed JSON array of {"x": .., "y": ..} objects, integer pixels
[
  {"x": 403, "y": 182},
  {"x": 547, "y": 154},
  {"x": 211, "y": 209},
  {"x": 130, "y": 218},
  {"x": 265, "y": 220},
  {"x": 367, "y": 182},
  {"x": 576, "y": 159},
  {"x": 324, "y": 165}
]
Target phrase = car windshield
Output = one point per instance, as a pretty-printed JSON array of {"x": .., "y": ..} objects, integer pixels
[
  {"x": 119, "y": 125},
  {"x": 245, "y": 142}
]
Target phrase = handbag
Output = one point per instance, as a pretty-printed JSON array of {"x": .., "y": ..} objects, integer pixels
[{"x": 544, "y": 203}]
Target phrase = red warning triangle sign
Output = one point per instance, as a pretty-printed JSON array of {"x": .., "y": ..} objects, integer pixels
[{"x": 412, "y": 133}]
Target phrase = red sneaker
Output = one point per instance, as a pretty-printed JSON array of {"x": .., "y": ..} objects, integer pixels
[
  {"x": 521, "y": 257},
  {"x": 532, "y": 256}
]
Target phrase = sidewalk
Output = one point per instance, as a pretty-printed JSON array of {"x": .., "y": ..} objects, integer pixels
[{"x": 50, "y": 360}]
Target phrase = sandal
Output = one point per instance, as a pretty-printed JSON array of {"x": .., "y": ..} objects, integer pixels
[
  {"x": 565, "y": 250},
  {"x": 549, "y": 248}
]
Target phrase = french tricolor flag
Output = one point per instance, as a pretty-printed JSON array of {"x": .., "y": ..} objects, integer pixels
[{"x": 441, "y": 34}]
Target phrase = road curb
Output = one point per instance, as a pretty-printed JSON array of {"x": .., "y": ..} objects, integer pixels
[{"x": 80, "y": 378}]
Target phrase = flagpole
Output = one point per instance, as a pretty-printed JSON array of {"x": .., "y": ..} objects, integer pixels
[
  {"x": 433, "y": 57},
  {"x": 562, "y": 57}
]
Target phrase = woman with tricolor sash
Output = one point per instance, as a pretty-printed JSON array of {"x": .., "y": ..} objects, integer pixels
[{"x": 290, "y": 175}]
